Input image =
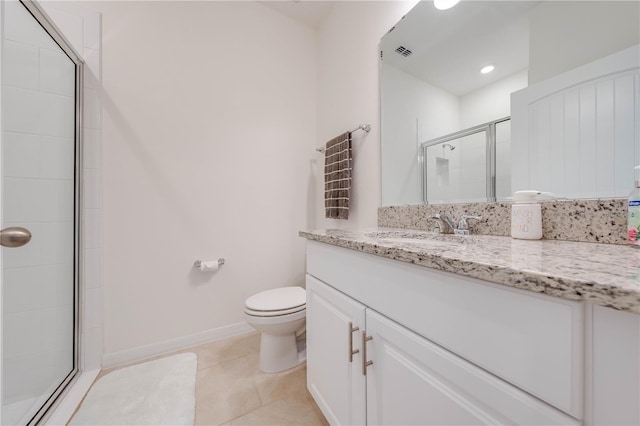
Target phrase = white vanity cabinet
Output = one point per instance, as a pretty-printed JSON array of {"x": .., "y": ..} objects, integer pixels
[
  {"x": 333, "y": 354},
  {"x": 442, "y": 352},
  {"x": 612, "y": 379}
]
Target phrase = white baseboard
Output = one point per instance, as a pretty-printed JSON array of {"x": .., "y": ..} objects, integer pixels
[{"x": 141, "y": 352}]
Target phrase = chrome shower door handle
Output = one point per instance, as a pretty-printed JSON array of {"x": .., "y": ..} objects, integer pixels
[{"x": 14, "y": 236}]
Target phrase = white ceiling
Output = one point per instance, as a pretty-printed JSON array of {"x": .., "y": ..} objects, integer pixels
[
  {"x": 449, "y": 47},
  {"x": 312, "y": 13}
]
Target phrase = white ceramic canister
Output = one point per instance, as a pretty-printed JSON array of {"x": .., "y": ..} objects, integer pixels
[{"x": 526, "y": 216}]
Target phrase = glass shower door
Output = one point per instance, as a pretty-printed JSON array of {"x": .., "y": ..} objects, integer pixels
[{"x": 39, "y": 193}]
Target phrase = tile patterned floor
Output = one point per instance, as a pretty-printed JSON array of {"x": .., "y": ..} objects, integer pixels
[{"x": 231, "y": 389}]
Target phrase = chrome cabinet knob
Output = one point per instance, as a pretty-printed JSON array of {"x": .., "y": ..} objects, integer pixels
[{"x": 14, "y": 236}]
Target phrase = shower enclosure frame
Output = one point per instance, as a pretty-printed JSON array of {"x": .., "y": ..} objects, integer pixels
[
  {"x": 490, "y": 131},
  {"x": 43, "y": 20}
]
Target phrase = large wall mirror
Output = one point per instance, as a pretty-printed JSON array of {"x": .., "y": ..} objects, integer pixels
[{"x": 558, "y": 113}]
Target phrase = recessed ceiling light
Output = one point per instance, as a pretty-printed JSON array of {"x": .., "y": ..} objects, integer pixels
[
  {"x": 444, "y": 4},
  {"x": 487, "y": 69}
]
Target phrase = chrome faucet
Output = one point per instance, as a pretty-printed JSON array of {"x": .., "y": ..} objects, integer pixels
[
  {"x": 445, "y": 219},
  {"x": 463, "y": 225}
]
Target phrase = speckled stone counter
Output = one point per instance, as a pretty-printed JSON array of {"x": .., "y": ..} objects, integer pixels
[{"x": 605, "y": 274}]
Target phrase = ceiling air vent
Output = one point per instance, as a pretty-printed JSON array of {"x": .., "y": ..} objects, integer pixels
[{"x": 401, "y": 50}]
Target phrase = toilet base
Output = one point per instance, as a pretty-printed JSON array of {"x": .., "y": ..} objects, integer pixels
[{"x": 280, "y": 352}]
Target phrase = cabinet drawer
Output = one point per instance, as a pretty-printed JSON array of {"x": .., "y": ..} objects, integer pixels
[{"x": 533, "y": 341}]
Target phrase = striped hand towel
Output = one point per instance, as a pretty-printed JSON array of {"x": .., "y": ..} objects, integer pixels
[{"x": 338, "y": 163}]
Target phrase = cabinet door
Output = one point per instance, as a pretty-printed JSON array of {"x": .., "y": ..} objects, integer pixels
[
  {"x": 613, "y": 380},
  {"x": 414, "y": 381},
  {"x": 335, "y": 382}
]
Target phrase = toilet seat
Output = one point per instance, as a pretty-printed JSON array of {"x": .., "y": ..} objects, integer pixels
[
  {"x": 279, "y": 315},
  {"x": 277, "y": 302},
  {"x": 274, "y": 313}
]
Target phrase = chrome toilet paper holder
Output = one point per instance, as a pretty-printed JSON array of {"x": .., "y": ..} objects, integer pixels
[{"x": 198, "y": 262}]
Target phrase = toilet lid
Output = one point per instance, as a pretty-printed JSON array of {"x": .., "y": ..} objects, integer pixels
[
  {"x": 274, "y": 313},
  {"x": 277, "y": 299}
]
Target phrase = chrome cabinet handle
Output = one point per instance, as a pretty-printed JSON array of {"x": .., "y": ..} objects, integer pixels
[
  {"x": 365, "y": 363},
  {"x": 14, "y": 236},
  {"x": 352, "y": 330}
]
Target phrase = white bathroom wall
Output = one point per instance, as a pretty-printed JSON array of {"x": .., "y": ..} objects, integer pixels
[
  {"x": 414, "y": 112},
  {"x": 209, "y": 112},
  {"x": 490, "y": 102},
  {"x": 566, "y": 34},
  {"x": 348, "y": 95}
]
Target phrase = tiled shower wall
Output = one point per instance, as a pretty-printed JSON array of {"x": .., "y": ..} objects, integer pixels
[{"x": 32, "y": 149}]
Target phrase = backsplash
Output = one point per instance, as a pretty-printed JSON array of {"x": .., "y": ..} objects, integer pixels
[
  {"x": 602, "y": 220},
  {"x": 496, "y": 217}
]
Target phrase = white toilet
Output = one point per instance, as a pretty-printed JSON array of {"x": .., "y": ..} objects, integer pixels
[{"x": 278, "y": 314}]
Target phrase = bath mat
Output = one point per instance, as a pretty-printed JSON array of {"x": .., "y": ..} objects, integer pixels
[{"x": 160, "y": 392}]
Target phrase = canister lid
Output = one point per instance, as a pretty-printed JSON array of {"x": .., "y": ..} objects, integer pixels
[{"x": 526, "y": 196}]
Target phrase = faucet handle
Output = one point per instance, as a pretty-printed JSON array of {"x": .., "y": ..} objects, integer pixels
[
  {"x": 445, "y": 219},
  {"x": 462, "y": 223}
]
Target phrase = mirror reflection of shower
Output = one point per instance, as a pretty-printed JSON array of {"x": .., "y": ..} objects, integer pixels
[
  {"x": 442, "y": 167},
  {"x": 445, "y": 146},
  {"x": 461, "y": 167}
]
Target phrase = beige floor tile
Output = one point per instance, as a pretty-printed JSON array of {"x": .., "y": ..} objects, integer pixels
[
  {"x": 226, "y": 391},
  {"x": 211, "y": 353},
  {"x": 231, "y": 389},
  {"x": 294, "y": 410},
  {"x": 214, "y": 353},
  {"x": 281, "y": 385}
]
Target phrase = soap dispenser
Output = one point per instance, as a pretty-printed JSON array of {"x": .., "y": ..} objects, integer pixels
[
  {"x": 633, "y": 221},
  {"x": 526, "y": 216}
]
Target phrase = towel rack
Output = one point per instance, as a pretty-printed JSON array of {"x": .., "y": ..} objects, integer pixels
[{"x": 365, "y": 127}]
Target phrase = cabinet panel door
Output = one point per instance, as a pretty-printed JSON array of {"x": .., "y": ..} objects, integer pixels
[
  {"x": 336, "y": 384},
  {"x": 613, "y": 393},
  {"x": 412, "y": 381}
]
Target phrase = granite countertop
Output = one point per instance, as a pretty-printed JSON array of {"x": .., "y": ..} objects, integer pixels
[{"x": 605, "y": 274}]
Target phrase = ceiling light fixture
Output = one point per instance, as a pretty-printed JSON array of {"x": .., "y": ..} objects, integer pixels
[
  {"x": 444, "y": 4},
  {"x": 487, "y": 69}
]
